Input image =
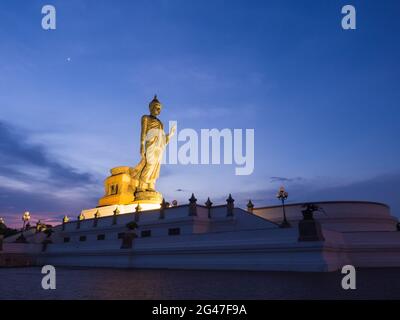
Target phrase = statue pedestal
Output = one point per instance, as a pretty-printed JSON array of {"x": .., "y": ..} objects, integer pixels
[
  {"x": 148, "y": 200},
  {"x": 118, "y": 188},
  {"x": 148, "y": 197}
]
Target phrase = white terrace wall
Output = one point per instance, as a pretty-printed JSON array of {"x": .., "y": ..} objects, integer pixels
[{"x": 176, "y": 217}]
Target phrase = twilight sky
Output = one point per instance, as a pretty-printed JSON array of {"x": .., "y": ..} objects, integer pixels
[{"x": 324, "y": 102}]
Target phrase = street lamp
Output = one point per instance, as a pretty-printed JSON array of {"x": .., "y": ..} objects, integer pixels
[
  {"x": 25, "y": 218},
  {"x": 283, "y": 195},
  {"x": 3, "y": 227}
]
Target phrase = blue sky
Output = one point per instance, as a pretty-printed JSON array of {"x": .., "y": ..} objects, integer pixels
[{"x": 324, "y": 102}]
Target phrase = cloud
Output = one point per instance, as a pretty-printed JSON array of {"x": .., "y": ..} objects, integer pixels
[
  {"x": 43, "y": 205},
  {"x": 283, "y": 179},
  {"x": 31, "y": 179},
  {"x": 19, "y": 159}
]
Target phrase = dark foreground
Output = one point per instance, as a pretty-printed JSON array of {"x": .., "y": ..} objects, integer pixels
[{"x": 83, "y": 283}]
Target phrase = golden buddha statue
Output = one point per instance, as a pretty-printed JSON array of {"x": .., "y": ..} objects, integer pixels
[
  {"x": 153, "y": 141},
  {"x": 136, "y": 185}
]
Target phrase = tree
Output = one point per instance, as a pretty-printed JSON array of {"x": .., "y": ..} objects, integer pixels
[
  {"x": 5, "y": 231},
  {"x": 3, "y": 228}
]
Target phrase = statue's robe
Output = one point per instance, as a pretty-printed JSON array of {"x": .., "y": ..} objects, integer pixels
[{"x": 148, "y": 169}]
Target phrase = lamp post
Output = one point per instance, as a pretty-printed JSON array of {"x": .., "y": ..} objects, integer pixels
[
  {"x": 3, "y": 227},
  {"x": 283, "y": 195},
  {"x": 25, "y": 218}
]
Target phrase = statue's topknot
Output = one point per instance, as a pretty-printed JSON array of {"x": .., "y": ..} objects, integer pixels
[{"x": 154, "y": 101}]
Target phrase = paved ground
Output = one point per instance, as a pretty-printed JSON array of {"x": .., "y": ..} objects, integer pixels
[{"x": 79, "y": 283}]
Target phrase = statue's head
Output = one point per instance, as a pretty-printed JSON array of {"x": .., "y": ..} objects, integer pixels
[{"x": 155, "y": 106}]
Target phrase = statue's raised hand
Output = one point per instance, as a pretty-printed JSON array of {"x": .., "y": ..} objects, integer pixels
[{"x": 172, "y": 132}]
